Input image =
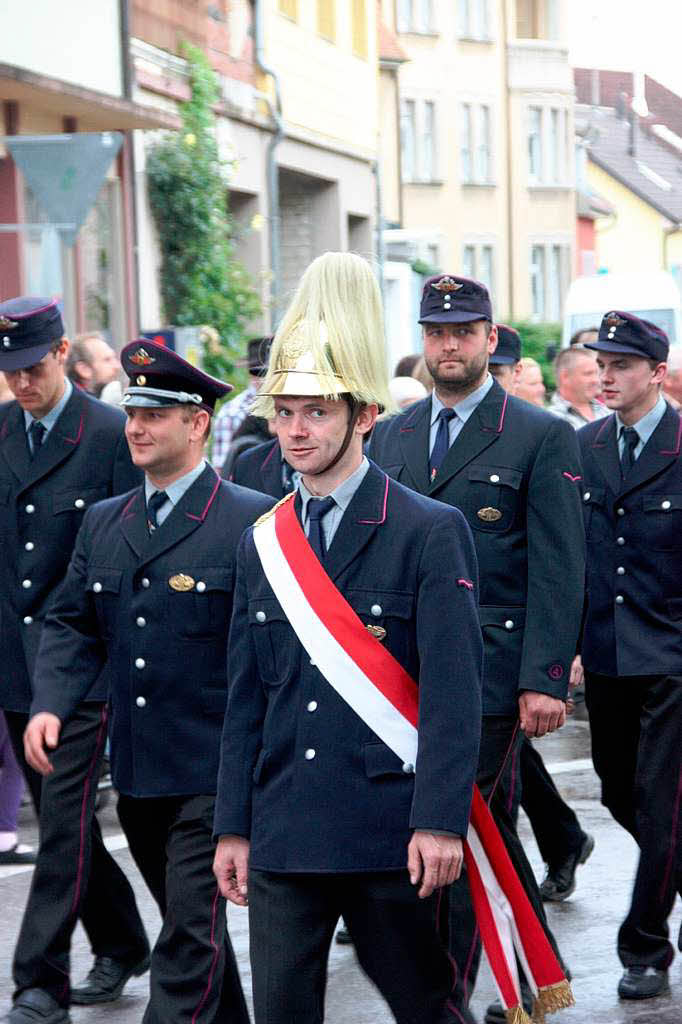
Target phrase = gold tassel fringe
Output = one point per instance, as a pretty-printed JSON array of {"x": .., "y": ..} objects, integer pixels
[
  {"x": 517, "y": 1015},
  {"x": 551, "y": 999}
]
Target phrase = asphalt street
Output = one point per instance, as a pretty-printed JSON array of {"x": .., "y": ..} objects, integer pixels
[{"x": 585, "y": 925}]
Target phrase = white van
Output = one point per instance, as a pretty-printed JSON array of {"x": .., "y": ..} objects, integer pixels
[{"x": 652, "y": 296}]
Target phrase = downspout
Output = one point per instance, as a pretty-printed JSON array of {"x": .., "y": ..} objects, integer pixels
[
  {"x": 379, "y": 213},
  {"x": 272, "y": 170},
  {"x": 510, "y": 197},
  {"x": 127, "y": 86}
]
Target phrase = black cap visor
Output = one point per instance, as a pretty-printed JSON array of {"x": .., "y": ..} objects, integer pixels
[
  {"x": 23, "y": 358},
  {"x": 502, "y": 360},
  {"x": 453, "y": 316},
  {"x": 625, "y": 350}
]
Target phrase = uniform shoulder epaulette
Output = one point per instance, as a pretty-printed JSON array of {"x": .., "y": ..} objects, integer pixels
[{"x": 271, "y": 511}]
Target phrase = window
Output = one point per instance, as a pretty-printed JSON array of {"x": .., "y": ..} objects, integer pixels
[
  {"x": 537, "y": 281},
  {"x": 360, "y": 29},
  {"x": 476, "y": 144},
  {"x": 549, "y": 271},
  {"x": 527, "y": 19},
  {"x": 418, "y": 140},
  {"x": 554, "y": 146},
  {"x": 408, "y": 137},
  {"x": 469, "y": 261},
  {"x": 477, "y": 262},
  {"x": 535, "y": 144},
  {"x": 466, "y": 144},
  {"x": 290, "y": 8},
  {"x": 427, "y": 145},
  {"x": 483, "y": 145},
  {"x": 415, "y": 16},
  {"x": 473, "y": 19},
  {"x": 326, "y": 19}
]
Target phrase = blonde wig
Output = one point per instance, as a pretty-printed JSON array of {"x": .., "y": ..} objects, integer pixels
[{"x": 331, "y": 339}]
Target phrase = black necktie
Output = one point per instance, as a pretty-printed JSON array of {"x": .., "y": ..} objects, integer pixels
[
  {"x": 442, "y": 442},
  {"x": 37, "y": 432},
  {"x": 153, "y": 505},
  {"x": 317, "y": 508},
  {"x": 287, "y": 477},
  {"x": 630, "y": 442}
]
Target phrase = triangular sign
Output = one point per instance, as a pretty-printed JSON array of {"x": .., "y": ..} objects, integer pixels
[{"x": 65, "y": 172}]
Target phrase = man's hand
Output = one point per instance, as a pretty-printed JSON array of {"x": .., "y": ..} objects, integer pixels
[
  {"x": 434, "y": 860},
  {"x": 539, "y": 713},
  {"x": 577, "y": 676},
  {"x": 230, "y": 866},
  {"x": 42, "y": 733}
]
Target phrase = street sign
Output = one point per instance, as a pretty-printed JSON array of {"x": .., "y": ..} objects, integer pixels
[{"x": 65, "y": 172}]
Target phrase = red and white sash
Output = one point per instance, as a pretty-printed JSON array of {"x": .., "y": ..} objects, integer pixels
[{"x": 374, "y": 684}]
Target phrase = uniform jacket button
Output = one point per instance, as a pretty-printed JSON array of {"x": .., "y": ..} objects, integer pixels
[
  {"x": 28, "y": 619},
  {"x": 665, "y": 505},
  {"x": 26, "y": 584},
  {"x": 79, "y": 503},
  {"x": 145, "y": 583},
  {"x": 30, "y": 509},
  {"x": 140, "y": 663},
  {"x": 376, "y": 610},
  {"x": 29, "y": 545},
  {"x": 620, "y": 599},
  {"x": 141, "y": 621},
  {"x": 309, "y": 754},
  {"x": 620, "y": 570},
  {"x": 494, "y": 478},
  {"x": 97, "y": 587},
  {"x": 586, "y": 496},
  {"x": 509, "y": 624},
  {"x": 408, "y": 768},
  {"x": 312, "y": 705},
  {"x": 201, "y": 587},
  {"x": 620, "y": 540},
  {"x": 620, "y": 511},
  {"x": 261, "y": 616},
  {"x": 141, "y": 702}
]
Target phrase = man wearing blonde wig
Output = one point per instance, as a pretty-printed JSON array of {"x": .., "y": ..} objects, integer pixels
[{"x": 349, "y": 587}]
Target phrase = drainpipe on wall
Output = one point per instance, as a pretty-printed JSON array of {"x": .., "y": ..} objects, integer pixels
[
  {"x": 510, "y": 190},
  {"x": 272, "y": 170},
  {"x": 129, "y": 154},
  {"x": 379, "y": 214}
]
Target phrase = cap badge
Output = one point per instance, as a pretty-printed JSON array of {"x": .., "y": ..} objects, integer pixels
[
  {"x": 489, "y": 514},
  {"x": 6, "y": 324},
  {"x": 376, "y": 631},
  {"x": 142, "y": 358},
  {"x": 181, "y": 582},
  {"x": 141, "y": 380},
  {"x": 613, "y": 320},
  {"x": 447, "y": 284}
]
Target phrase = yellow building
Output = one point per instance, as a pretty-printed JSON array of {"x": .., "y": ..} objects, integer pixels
[
  {"x": 486, "y": 107},
  {"x": 636, "y": 168}
]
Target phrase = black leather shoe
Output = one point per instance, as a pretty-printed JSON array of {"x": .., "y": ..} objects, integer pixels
[
  {"x": 642, "y": 983},
  {"x": 495, "y": 1014},
  {"x": 33, "y": 1006},
  {"x": 559, "y": 882},
  {"x": 106, "y": 980},
  {"x": 343, "y": 937}
]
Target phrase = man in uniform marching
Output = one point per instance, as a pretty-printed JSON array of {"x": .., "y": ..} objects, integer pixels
[
  {"x": 514, "y": 471},
  {"x": 355, "y": 584},
  {"x": 632, "y": 641},
  {"x": 150, "y": 587},
  {"x": 61, "y": 450}
]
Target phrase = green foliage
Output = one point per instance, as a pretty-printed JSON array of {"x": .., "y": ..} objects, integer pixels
[
  {"x": 535, "y": 339},
  {"x": 423, "y": 268},
  {"x": 201, "y": 280}
]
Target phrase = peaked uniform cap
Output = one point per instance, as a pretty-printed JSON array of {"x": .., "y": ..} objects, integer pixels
[
  {"x": 508, "y": 349},
  {"x": 447, "y": 299},
  {"x": 159, "y": 377},
  {"x": 628, "y": 334},
  {"x": 29, "y": 327}
]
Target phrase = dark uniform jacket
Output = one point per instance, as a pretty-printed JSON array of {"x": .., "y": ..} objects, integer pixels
[
  {"x": 84, "y": 458},
  {"x": 633, "y": 622},
  {"x": 514, "y": 472},
  {"x": 165, "y": 633},
  {"x": 261, "y": 469},
  {"x": 301, "y": 774}
]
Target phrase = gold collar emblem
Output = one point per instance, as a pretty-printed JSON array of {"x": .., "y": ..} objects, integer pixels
[
  {"x": 489, "y": 514},
  {"x": 376, "y": 631},
  {"x": 181, "y": 582}
]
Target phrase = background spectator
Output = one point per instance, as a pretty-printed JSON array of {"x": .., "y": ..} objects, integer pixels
[
  {"x": 421, "y": 373},
  {"x": 578, "y": 385},
  {"x": 586, "y": 335},
  {"x": 92, "y": 364},
  {"x": 406, "y": 365},
  {"x": 406, "y": 390},
  {"x": 529, "y": 383}
]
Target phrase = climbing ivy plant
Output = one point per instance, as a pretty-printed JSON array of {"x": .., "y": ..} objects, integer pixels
[{"x": 202, "y": 282}]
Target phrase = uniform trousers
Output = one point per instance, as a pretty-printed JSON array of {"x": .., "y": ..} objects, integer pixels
[
  {"x": 292, "y": 918},
  {"x": 501, "y": 739},
  {"x": 193, "y": 977},
  {"x": 75, "y": 875},
  {"x": 636, "y": 724},
  {"x": 555, "y": 826}
]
